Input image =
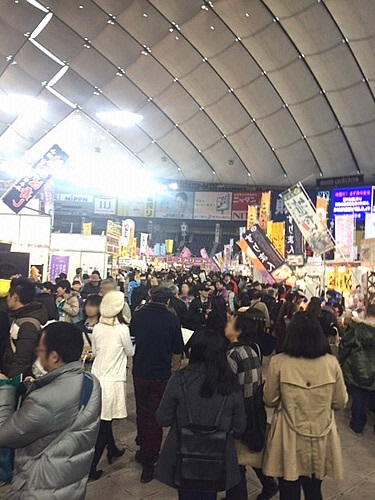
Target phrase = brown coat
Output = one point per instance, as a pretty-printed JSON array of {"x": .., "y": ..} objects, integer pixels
[{"x": 303, "y": 439}]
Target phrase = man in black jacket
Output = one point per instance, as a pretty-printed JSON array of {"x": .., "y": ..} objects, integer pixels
[
  {"x": 26, "y": 317},
  {"x": 179, "y": 306},
  {"x": 198, "y": 308},
  {"x": 158, "y": 351}
]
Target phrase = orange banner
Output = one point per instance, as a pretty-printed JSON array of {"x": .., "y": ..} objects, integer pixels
[
  {"x": 321, "y": 209},
  {"x": 276, "y": 233}
]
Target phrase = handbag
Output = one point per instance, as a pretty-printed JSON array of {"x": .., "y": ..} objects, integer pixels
[
  {"x": 254, "y": 436},
  {"x": 201, "y": 459}
]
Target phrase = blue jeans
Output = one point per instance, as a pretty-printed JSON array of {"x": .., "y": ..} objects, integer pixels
[{"x": 359, "y": 400}]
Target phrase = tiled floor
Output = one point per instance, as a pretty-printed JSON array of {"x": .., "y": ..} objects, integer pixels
[{"x": 121, "y": 480}]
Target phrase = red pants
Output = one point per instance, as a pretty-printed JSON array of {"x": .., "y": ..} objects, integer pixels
[{"x": 148, "y": 394}]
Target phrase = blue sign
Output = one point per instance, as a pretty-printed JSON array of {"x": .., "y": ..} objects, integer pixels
[{"x": 349, "y": 201}]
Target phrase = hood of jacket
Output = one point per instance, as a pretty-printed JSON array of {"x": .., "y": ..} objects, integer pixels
[
  {"x": 365, "y": 331},
  {"x": 4, "y": 288},
  {"x": 32, "y": 310}
]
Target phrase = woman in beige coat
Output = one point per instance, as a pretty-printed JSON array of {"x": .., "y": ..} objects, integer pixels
[{"x": 305, "y": 385}]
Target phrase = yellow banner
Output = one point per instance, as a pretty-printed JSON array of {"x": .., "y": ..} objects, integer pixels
[
  {"x": 265, "y": 209},
  {"x": 340, "y": 279},
  {"x": 276, "y": 233},
  {"x": 169, "y": 246},
  {"x": 133, "y": 249},
  {"x": 252, "y": 216},
  {"x": 86, "y": 228}
]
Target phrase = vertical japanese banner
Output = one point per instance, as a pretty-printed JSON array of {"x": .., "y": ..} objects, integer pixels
[
  {"x": 277, "y": 236},
  {"x": 321, "y": 209},
  {"x": 264, "y": 210},
  {"x": 313, "y": 230},
  {"x": 226, "y": 254},
  {"x": 143, "y": 243},
  {"x": 370, "y": 226},
  {"x": 252, "y": 216},
  {"x": 169, "y": 246},
  {"x": 127, "y": 235},
  {"x": 58, "y": 264},
  {"x": 86, "y": 228},
  {"x": 272, "y": 261},
  {"x": 344, "y": 236},
  {"x": 294, "y": 251},
  {"x": 28, "y": 186}
]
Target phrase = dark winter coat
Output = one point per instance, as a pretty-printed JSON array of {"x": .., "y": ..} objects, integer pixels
[
  {"x": 49, "y": 303},
  {"x": 357, "y": 353},
  {"x": 172, "y": 413},
  {"x": 21, "y": 361}
]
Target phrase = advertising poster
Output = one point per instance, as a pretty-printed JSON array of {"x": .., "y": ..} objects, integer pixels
[
  {"x": 345, "y": 236},
  {"x": 58, "y": 264},
  {"x": 86, "y": 228},
  {"x": 313, "y": 230},
  {"x": 144, "y": 207},
  {"x": 113, "y": 235},
  {"x": 105, "y": 205},
  {"x": 267, "y": 254},
  {"x": 28, "y": 186},
  {"x": 175, "y": 205},
  {"x": 265, "y": 210},
  {"x": 349, "y": 201},
  {"x": 240, "y": 202},
  {"x": 212, "y": 206},
  {"x": 321, "y": 209},
  {"x": 370, "y": 226}
]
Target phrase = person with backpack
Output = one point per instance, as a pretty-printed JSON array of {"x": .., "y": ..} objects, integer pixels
[
  {"x": 26, "y": 318},
  {"x": 203, "y": 405},
  {"x": 245, "y": 359},
  {"x": 53, "y": 433},
  {"x": 305, "y": 385}
]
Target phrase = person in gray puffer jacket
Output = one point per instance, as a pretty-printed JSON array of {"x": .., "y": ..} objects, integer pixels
[{"x": 55, "y": 430}]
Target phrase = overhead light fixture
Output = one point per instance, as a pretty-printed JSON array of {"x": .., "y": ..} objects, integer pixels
[
  {"x": 22, "y": 104},
  {"x": 38, "y": 5},
  {"x": 120, "y": 118},
  {"x": 43, "y": 23},
  {"x": 173, "y": 185},
  {"x": 58, "y": 76},
  {"x": 47, "y": 52}
]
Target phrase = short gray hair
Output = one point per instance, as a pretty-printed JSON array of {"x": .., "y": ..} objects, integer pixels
[{"x": 174, "y": 289}]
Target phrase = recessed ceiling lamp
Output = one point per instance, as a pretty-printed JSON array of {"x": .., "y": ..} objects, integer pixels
[
  {"x": 173, "y": 185},
  {"x": 120, "y": 118}
]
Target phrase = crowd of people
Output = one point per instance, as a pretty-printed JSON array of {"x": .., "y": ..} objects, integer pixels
[{"x": 197, "y": 345}]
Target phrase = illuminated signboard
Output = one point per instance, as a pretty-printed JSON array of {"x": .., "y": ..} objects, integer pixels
[{"x": 356, "y": 200}]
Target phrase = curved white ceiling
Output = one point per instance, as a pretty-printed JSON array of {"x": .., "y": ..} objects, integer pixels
[{"x": 265, "y": 92}]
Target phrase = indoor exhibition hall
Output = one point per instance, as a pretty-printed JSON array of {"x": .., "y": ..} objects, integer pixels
[{"x": 187, "y": 249}]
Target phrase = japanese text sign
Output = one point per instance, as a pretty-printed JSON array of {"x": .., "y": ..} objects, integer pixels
[
  {"x": 266, "y": 253},
  {"x": 313, "y": 230},
  {"x": 28, "y": 186},
  {"x": 348, "y": 201}
]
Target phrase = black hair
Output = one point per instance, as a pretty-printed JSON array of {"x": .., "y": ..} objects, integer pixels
[
  {"x": 78, "y": 270},
  {"x": 97, "y": 273},
  {"x": 305, "y": 338},
  {"x": 121, "y": 319},
  {"x": 230, "y": 287},
  {"x": 218, "y": 305},
  {"x": 49, "y": 286},
  {"x": 251, "y": 323},
  {"x": 64, "y": 284},
  {"x": 65, "y": 339},
  {"x": 62, "y": 276},
  {"x": 85, "y": 276},
  {"x": 24, "y": 288},
  {"x": 371, "y": 310},
  {"x": 183, "y": 196},
  {"x": 208, "y": 349},
  {"x": 314, "y": 308},
  {"x": 243, "y": 299},
  {"x": 92, "y": 300},
  {"x": 76, "y": 282},
  {"x": 7, "y": 271},
  {"x": 255, "y": 293}
]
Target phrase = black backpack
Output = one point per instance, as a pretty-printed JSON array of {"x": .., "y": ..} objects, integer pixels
[
  {"x": 201, "y": 460},
  {"x": 255, "y": 434}
]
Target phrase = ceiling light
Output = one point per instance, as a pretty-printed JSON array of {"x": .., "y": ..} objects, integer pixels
[
  {"x": 38, "y": 5},
  {"x": 19, "y": 104},
  {"x": 247, "y": 14},
  {"x": 177, "y": 37},
  {"x": 120, "y": 118},
  {"x": 47, "y": 52},
  {"x": 80, "y": 7},
  {"x": 145, "y": 15},
  {"x": 178, "y": 169},
  {"x": 173, "y": 185},
  {"x": 212, "y": 27},
  {"x": 170, "y": 30},
  {"x": 43, "y": 23},
  {"x": 58, "y": 76},
  {"x": 213, "y": 172},
  {"x": 249, "y": 174}
]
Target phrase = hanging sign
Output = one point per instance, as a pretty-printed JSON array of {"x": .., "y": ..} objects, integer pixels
[
  {"x": 293, "y": 243},
  {"x": 143, "y": 243},
  {"x": 252, "y": 216},
  {"x": 265, "y": 210},
  {"x": 313, "y": 230},
  {"x": 266, "y": 253},
  {"x": 344, "y": 236},
  {"x": 28, "y": 186}
]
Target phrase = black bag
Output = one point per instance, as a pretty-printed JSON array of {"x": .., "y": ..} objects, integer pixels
[
  {"x": 201, "y": 460},
  {"x": 255, "y": 434}
]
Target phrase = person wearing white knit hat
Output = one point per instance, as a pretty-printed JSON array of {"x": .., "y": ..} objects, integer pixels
[{"x": 111, "y": 346}]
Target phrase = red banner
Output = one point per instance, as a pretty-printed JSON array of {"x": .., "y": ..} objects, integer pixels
[{"x": 240, "y": 202}]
